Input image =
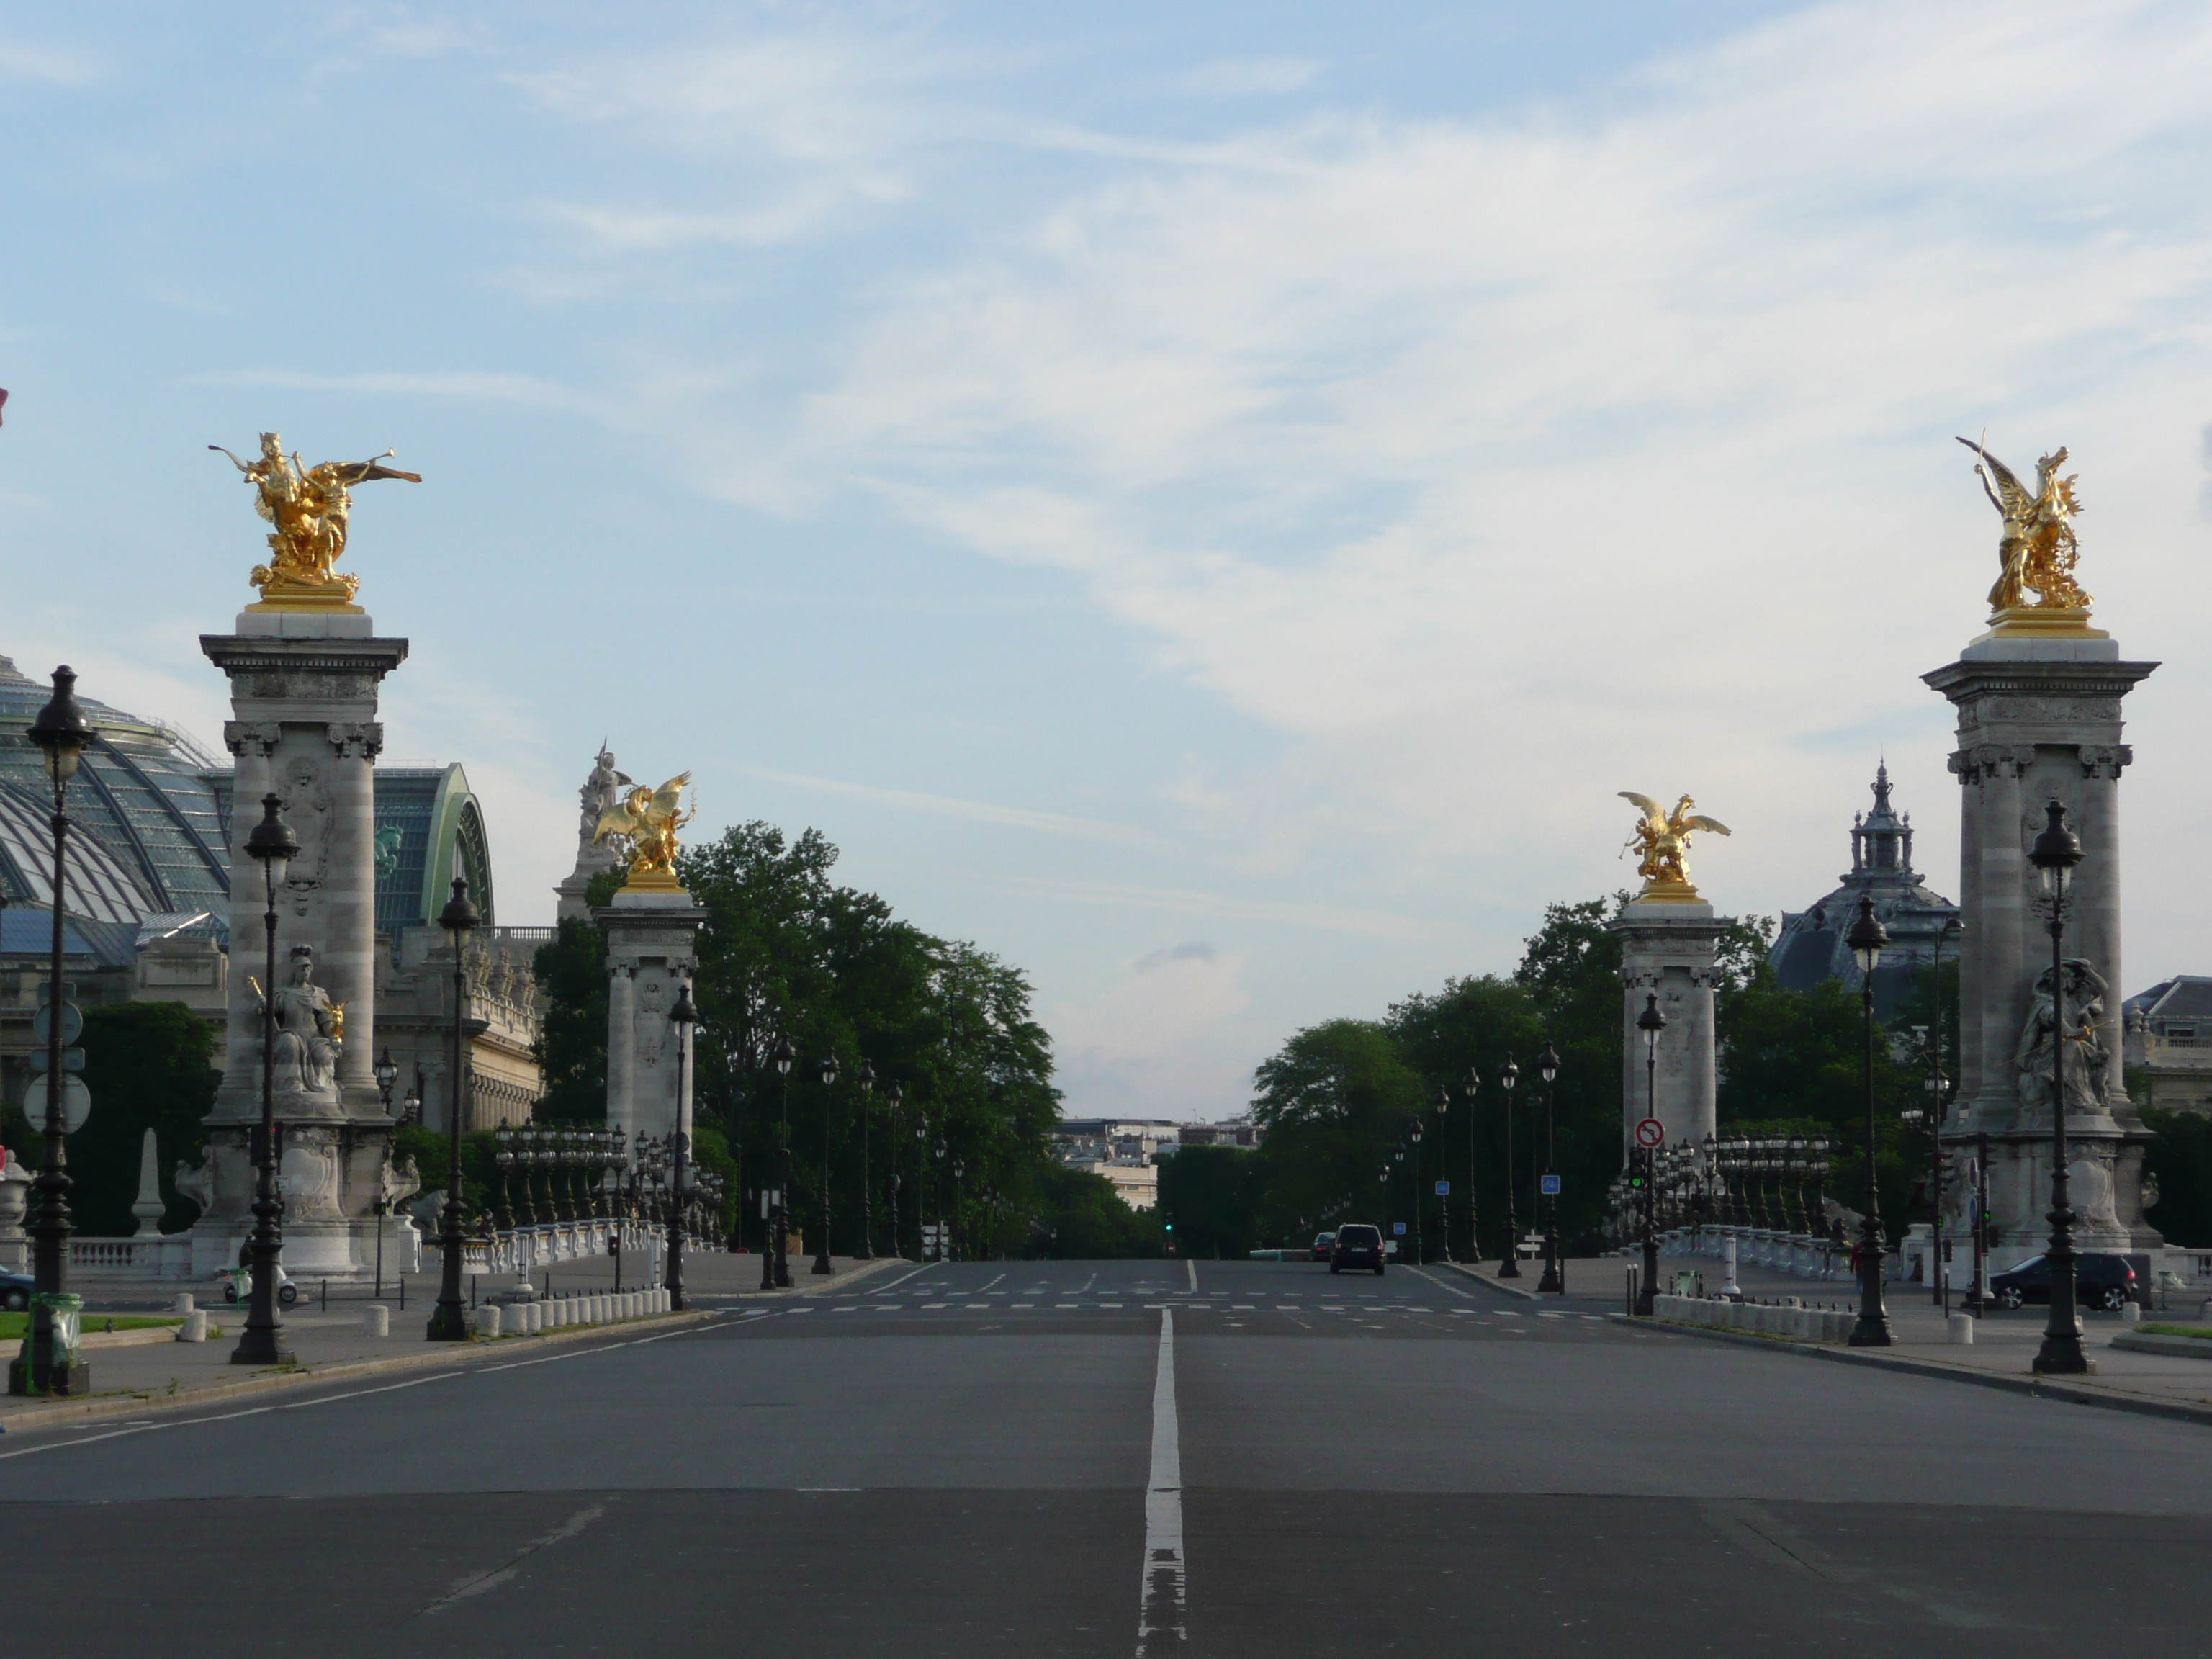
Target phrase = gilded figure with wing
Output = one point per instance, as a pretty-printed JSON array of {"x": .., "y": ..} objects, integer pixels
[
  {"x": 310, "y": 510},
  {"x": 2036, "y": 550},
  {"x": 1661, "y": 843},
  {"x": 647, "y": 820}
]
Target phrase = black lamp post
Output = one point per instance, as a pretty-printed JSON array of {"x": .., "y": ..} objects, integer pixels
[
  {"x": 1936, "y": 1085},
  {"x": 943, "y": 1237},
  {"x": 684, "y": 1016},
  {"x": 63, "y": 732},
  {"x": 449, "y": 1321},
  {"x": 895, "y": 1097},
  {"x": 1509, "y": 1265},
  {"x": 503, "y": 1160},
  {"x": 1866, "y": 939},
  {"x": 2056, "y": 852},
  {"x": 1473, "y": 1216},
  {"x": 775, "y": 1260},
  {"x": 960, "y": 1221},
  {"x": 1650, "y": 1022},
  {"x": 262, "y": 1342},
  {"x": 829, "y": 1072},
  {"x": 1413, "y": 1134},
  {"x": 1444, "y": 1148},
  {"x": 867, "y": 1080},
  {"x": 1555, "y": 1278}
]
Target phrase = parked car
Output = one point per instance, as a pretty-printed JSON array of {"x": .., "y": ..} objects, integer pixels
[
  {"x": 1356, "y": 1245},
  {"x": 16, "y": 1292},
  {"x": 2099, "y": 1281},
  {"x": 1322, "y": 1243}
]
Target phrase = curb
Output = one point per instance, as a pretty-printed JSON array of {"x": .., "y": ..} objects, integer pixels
[
  {"x": 104, "y": 1406},
  {"x": 2034, "y": 1387},
  {"x": 1466, "y": 1272},
  {"x": 829, "y": 1286},
  {"x": 2185, "y": 1347}
]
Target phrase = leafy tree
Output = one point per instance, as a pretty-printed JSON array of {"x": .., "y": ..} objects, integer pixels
[
  {"x": 572, "y": 1041},
  {"x": 1210, "y": 1196},
  {"x": 1080, "y": 1217},
  {"x": 2181, "y": 1159},
  {"x": 1334, "y": 1103}
]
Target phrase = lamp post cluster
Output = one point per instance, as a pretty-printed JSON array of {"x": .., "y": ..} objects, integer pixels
[{"x": 559, "y": 1174}]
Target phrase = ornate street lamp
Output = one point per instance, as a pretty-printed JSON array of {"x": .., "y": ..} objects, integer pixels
[
  {"x": 2055, "y": 853},
  {"x": 387, "y": 1073},
  {"x": 62, "y": 732},
  {"x": 684, "y": 1016},
  {"x": 1650, "y": 1023},
  {"x": 273, "y": 845},
  {"x": 1866, "y": 939},
  {"x": 959, "y": 1173},
  {"x": 1443, "y": 1107},
  {"x": 1413, "y": 1134},
  {"x": 1509, "y": 1265},
  {"x": 828, "y": 1070},
  {"x": 775, "y": 1260},
  {"x": 449, "y": 1321},
  {"x": 895, "y": 1097},
  {"x": 1555, "y": 1276},
  {"x": 944, "y": 1234},
  {"x": 867, "y": 1080},
  {"x": 1473, "y": 1217},
  {"x": 503, "y": 1160}
]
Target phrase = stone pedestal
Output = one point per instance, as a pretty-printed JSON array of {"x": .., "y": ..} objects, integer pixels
[
  {"x": 651, "y": 937},
  {"x": 1668, "y": 947},
  {"x": 304, "y": 692},
  {"x": 2039, "y": 720}
]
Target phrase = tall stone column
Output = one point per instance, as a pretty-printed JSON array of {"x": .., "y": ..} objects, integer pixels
[
  {"x": 651, "y": 945},
  {"x": 2039, "y": 720},
  {"x": 1669, "y": 947},
  {"x": 304, "y": 690}
]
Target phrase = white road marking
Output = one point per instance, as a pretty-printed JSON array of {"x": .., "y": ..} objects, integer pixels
[
  {"x": 989, "y": 1284},
  {"x": 900, "y": 1279},
  {"x": 478, "y": 1584},
  {"x": 1161, "y": 1593},
  {"x": 931, "y": 1307},
  {"x": 1190, "y": 1265}
]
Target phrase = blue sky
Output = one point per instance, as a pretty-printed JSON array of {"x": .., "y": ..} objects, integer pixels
[{"x": 1211, "y": 503}]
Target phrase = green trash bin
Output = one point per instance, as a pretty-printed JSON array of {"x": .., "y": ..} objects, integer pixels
[{"x": 68, "y": 1310}]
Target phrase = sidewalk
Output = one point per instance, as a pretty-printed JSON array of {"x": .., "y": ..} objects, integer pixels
[{"x": 327, "y": 1344}]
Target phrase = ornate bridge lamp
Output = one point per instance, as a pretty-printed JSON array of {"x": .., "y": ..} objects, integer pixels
[
  {"x": 62, "y": 732},
  {"x": 959, "y": 1175},
  {"x": 1866, "y": 939},
  {"x": 944, "y": 1237},
  {"x": 503, "y": 1160},
  {"x": 449, "y": 1321},
  {"x": 1555, "y": 1277},
  {"x": 1413, "y": 1134},
  {"x": 2056, "y": 852},
  {"x": 1509, "y": 1265},
  {"x": 1444, "y": 1106},
  {"x": 272, "y": 845},
  {"x": 1650, "y": 1023},
  {"x": 685, "y": 1015},
  {"x": 1473, "y": 1220},
  {"x": 867, "y": 1081},
  {"x": 828, "y": 1071},
  {"x": 895, "y": 1098}
]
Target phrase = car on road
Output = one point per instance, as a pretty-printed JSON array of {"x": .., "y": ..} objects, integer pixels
[
  {"x": 1356, "y": 1245},
  {"x": 1322, "y": 1243},
  {"x": 2099, "y": 1281},
  {"x": 15, "y": 1291}
]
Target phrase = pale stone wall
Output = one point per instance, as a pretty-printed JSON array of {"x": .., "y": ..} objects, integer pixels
[{"x": 1669, "y": 949}]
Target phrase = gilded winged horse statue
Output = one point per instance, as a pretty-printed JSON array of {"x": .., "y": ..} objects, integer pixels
[
  {"x": 1661, "y": 842},
  {"x": 649, "y": 819},
  {"x": 2036, "y": 549}
]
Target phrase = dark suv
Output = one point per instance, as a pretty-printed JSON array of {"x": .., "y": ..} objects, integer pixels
[
  {"x": 1356, "y": 1245},
  {"x": 2099, "y": 1281}
]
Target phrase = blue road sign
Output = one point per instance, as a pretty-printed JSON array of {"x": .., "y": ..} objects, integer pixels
[
  {"x": 1443, "y": 1189},
  {"x": 1549, "y": 1186},
  {"x": 1398, "y": 1227}
]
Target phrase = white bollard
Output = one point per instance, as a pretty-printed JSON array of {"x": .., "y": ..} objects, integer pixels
[
  {"x": 630, "y": 1301},
  {"x": 376, "y": 1320},
  {"x": 184, "y": 1302},
  {"x": 2131, "y": 1314},
  {"x": 194, "y": 1329},
  {"x": 487, "y": 1321},
  {"x": 1960, "y": 1329},
  {"x": 598, "y": 1313},
  {"x": 1729, "y": 1289}
]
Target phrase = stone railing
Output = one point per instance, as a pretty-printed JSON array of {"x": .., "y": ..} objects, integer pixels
[
  {"x": 524, "y": 1250},
  {"x": 147, "y": 1255},
  {"x": 1789, "y": 1318},
  {"x": 1802, "y": 1256}
]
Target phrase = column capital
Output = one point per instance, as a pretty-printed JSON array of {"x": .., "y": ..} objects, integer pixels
[
  {"x": 356, "y": 740},
  {"x": 258, "y": 738},
  {"x": 2105, "y": 760}
]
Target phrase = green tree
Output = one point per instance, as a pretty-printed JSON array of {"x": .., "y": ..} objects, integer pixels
[
  {"x": 2181, "y": 1159},
  {"x": 1333, "y": 1102},
  {"x": 572, "y": 1041},
  {"x": 1211, "y": 1196},
  {"x": 147, "y": 1066}
]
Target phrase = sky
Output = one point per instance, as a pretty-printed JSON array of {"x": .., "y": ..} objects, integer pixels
[{"x": 1210, "y": 503}]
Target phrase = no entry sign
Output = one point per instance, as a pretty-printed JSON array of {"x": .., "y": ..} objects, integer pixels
[{"x": 1651, "y": 1133}]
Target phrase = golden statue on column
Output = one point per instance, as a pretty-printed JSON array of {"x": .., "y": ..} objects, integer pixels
[
  {"x": 1662, "y": 844},
  {"x": 310, "y": 508},
  {"x": 2036, "y": 549},
  {"x": 645, "y": 822}
]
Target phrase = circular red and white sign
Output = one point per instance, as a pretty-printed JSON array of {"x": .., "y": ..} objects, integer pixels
[{"x": 1651, "y": 1133}]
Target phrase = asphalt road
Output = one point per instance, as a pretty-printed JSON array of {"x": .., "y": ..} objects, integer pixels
[{"x": 1248, "y": 1460}]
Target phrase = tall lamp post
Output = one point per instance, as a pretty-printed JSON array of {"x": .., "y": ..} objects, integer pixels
[
  {"x": 2056, "y": 852},
  {"x": 685, "y": 1015},
  {"x": 867, "y": 1081},
  {"x": 959, "y": 1175},
  {"x": 776, "y": 1258},
  {"x": 63, "y": 732},
  {"x": 944, "y": 1237},
  {"x": 1443, "y": 1147},
  {"x": 262, "y": 1342},
  {"x": 1866, "y": 939},
  {"x": 895, "y": 1097},
  {"x": 449, "y": 1320},
  {"x": 1473, "y": 1216},
  {"x": 829, "y": 1072},
  {"x": 1413, "y": 1134},
  {"x": 1509, "y": 1265},
  {"x": 1650, "y": 1023},
  {"x": 1555, "y": 1278}
]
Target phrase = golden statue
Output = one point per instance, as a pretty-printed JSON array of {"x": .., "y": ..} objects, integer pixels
[
  {"x": 1661, "y": 843},
  {"x": 649, "y": 819},
  {"x": 309, "y": 506},
  {"x": 2037, "y": 550}
]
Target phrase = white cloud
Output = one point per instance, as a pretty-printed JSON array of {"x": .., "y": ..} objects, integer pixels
[
  {"x": 1161, "y": 1042},
  {"x": 1236, "y": 77},
  {"x": 54, "y": 66},
  {"x": 1015, "y": 817}
]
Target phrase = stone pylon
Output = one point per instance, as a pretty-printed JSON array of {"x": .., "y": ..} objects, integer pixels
[
  {"x": 651, "y": 944},
  {"x": 304, "y": 687},
  {"x": 1669, "y": 948},
  {"x": 2040, "y": 721}
]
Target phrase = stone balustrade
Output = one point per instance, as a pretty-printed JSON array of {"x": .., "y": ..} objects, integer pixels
[{"x": 1790, "y": 1318}]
